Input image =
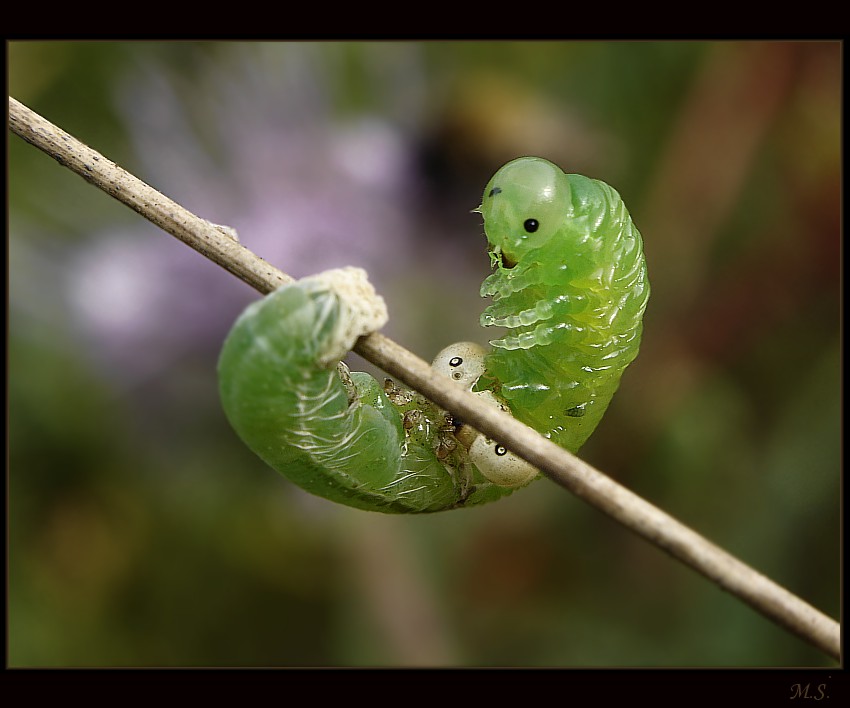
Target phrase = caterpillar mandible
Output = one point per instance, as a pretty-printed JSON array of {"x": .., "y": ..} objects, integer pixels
[{"x": 569, "y": 286}]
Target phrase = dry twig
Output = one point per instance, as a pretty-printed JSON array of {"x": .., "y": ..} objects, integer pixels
[{"x": 632, "y": 511}]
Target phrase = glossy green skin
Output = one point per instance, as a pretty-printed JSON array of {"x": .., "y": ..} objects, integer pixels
[
  {"x": 340, "y": 438},
  {"x": 571, "y": 295}
]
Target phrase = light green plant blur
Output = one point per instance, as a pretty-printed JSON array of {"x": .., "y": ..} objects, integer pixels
[{"x": 143, "y": 533}]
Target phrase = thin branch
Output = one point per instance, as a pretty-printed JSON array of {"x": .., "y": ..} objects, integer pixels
[{"x": 633, "y": 512}]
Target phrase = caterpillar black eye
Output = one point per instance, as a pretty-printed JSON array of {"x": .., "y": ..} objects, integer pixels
[
  {"x": 501, "y": 450},
  {"x": 494, "y": 191},
  {"x": 531, "y": 225},
  {"x": 456, "y": 361}
]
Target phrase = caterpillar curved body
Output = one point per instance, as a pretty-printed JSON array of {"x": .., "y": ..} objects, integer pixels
[{"x": 570, "y": 287}]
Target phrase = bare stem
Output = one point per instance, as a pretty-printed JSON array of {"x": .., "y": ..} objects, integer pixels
[{"x": 632, "y": 511}]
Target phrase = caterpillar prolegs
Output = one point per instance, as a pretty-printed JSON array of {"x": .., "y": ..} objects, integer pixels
[{"x": 569, "y": 287}]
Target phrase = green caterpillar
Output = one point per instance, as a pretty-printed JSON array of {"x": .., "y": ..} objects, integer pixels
[{"x": 569, "y": 286}]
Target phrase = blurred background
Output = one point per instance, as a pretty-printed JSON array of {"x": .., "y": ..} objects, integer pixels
[{"x": 141, "y": 531}]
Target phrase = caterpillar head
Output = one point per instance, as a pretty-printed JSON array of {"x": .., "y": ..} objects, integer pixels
[{"x": 523, "y": 205}]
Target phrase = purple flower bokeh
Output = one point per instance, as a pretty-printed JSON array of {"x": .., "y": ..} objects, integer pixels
[{"x": 253, "y": 145}]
